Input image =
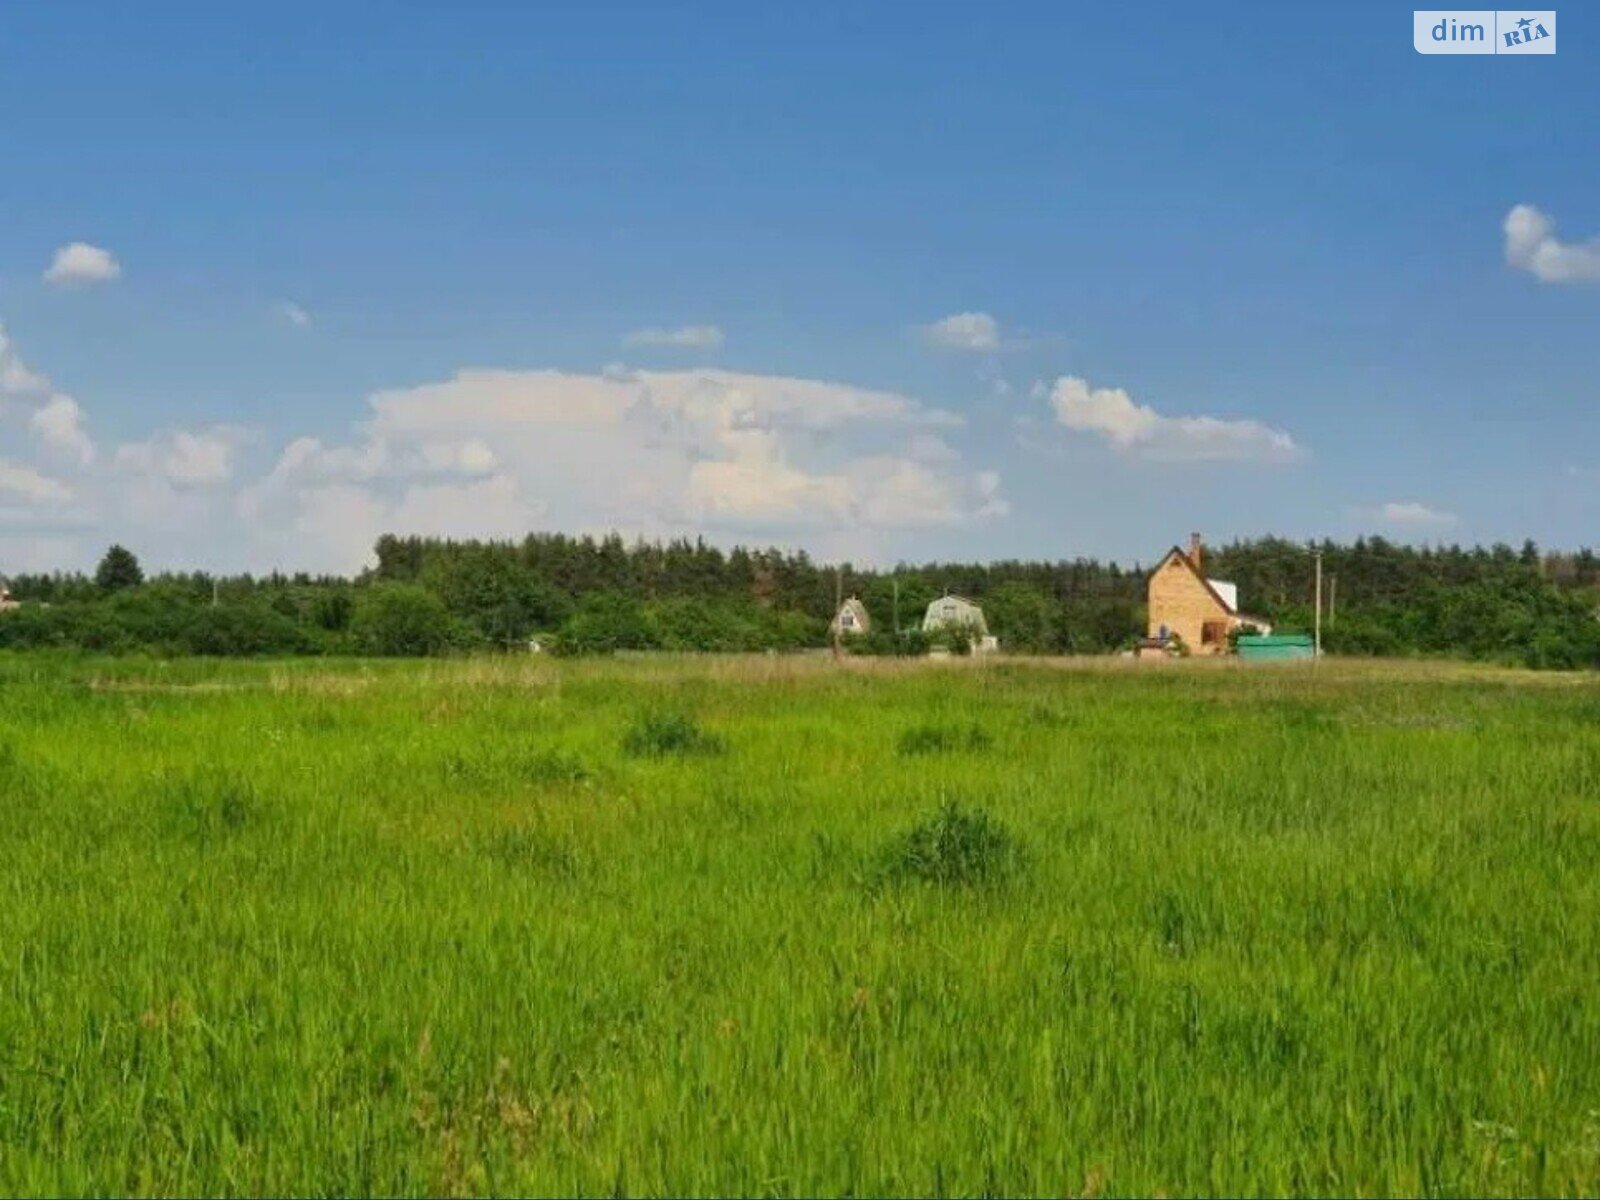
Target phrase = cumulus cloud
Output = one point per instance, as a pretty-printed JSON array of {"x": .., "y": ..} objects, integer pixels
[
  {"x": 52, "y": 416},
  {"x": 183, "y": 458},
  {"x": 59, "y": 425},
  {"x": 1532, "y": 246},
  {"x": 990, "y": 502},
  {"x": 754, "y": 489},
  {"x": 16, "y": 379},
  {"x": 685, "y": 337},
  {"x": 81, "y": 263},
  {"x": 964, "y": 331},
  {"x": 494, "y": 453},
  {"x": 294, "y": 314},
  {"x": 20, "y": 480},
  {"x": 1410, "y": 513},
  {"x": 1141, "y": 430}
]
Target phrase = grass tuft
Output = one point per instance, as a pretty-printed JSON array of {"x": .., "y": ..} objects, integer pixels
[
  {"x": 531, "y": 850},
  {"x": 209, "y": 806},
  {"x": 552, "y": 767},
  {"x": 667, "y": 734},
  {"x": 944, "y": 739},
  {"x": 956, "y": 847}
]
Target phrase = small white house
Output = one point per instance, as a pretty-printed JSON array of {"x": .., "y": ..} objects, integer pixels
[
  {"x": 851, "y": 619},
  {"x": 6, "y": 602},
  {"x": 954, "y": 612},
  {"x": 957, "y": 613}
]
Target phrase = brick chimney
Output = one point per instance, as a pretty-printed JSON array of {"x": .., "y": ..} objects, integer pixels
[{"x": 1195, "y": 551}]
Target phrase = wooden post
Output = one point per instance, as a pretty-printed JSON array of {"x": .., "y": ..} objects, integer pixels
[
  {"x": 838, "y": 603},
  {"x": 1318, "y": 645}
]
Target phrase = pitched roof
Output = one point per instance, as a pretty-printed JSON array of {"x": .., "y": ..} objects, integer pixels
[{"x": 1231, "y": 609}]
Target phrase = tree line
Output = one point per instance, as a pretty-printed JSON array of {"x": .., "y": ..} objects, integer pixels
[{"x": 595, "y": 595}]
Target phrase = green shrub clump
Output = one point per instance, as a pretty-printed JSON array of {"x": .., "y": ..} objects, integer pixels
[
  {"x": 404, "y": 620},
  {"x": 956, "y": 847},
  {"x": 662, "y": 735}
]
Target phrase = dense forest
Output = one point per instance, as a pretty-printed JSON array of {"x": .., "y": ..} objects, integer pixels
[{"x": 595, "y": 595}]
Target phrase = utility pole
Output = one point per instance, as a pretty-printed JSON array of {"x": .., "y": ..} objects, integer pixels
[
  {"x": 1318, "y": 645},
  {"x": 838, "y": 603},
  {"x": 897, "y": 604}
]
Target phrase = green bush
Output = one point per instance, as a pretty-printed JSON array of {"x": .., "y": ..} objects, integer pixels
[
  {"x": 685, "y": 624},
  {"x": 404, "y": 620},
  {"x": 243, "y": 629},
  {"x": 660, "y": 735},
  {"x": 604, "y": 623},
  {"x": 956, "y": 847}
]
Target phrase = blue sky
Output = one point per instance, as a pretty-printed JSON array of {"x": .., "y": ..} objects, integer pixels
[{"x": 337, "y": 272}]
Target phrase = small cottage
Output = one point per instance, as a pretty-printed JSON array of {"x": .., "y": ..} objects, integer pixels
[
  {"x": 6, "y": 602},
  {"x": 958, "y": 614},
  {"x": 851, "y": 619},
  {"x": 1185, "y": 606},
  {"x": 955, "y": 612}
]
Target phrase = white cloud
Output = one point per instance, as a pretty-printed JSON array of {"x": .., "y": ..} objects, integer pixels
[
  {"x": 990, "y": 502},
  {"x": 184, "y": 459},
  {"x": 964, "y": 331},
  {"x": 80, "y": 262},
  {"x": 1532, "y": 246},
  {"x": 59, "y": 425},
  {"x": 24, "y": 481},
  {"x": 685, "y": 337},
  {"x": 930, "y": 448},
  {"x": 754, "y": 490},
  {"x": 1409, "y": 512},
  {"x": 55, "y": 419},
  {"x": 16, "y": 379},
  {"x": 294, "y": 314},
  {"x": 1139, "y": 429},
  {"x": 495, "y": 453},
  {"x": 468, "y": 458}
]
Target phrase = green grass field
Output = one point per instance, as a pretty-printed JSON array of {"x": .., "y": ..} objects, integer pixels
[{"x": 773, "y": 926}]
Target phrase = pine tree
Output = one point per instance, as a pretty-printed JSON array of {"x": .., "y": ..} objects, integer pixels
[{"x": 119, "y": 569}]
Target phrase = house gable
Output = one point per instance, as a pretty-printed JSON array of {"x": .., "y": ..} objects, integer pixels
[
  {"x": 1183, "y": 603},
  {"x": 954, "y": 612},
  {"x": 852, "y": 618},
  {"x": 1176, "y": 555}
]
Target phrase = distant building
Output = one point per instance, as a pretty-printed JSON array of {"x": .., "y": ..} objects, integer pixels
[
  {"x": 851, "y": 619},
  {"x": 958, "y": 614},
  {"x": 1186, "y": 606},
  {"x": 6, "y": 602}
]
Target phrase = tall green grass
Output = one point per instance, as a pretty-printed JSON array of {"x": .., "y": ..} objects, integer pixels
[{"x": 504, "y": 927}]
